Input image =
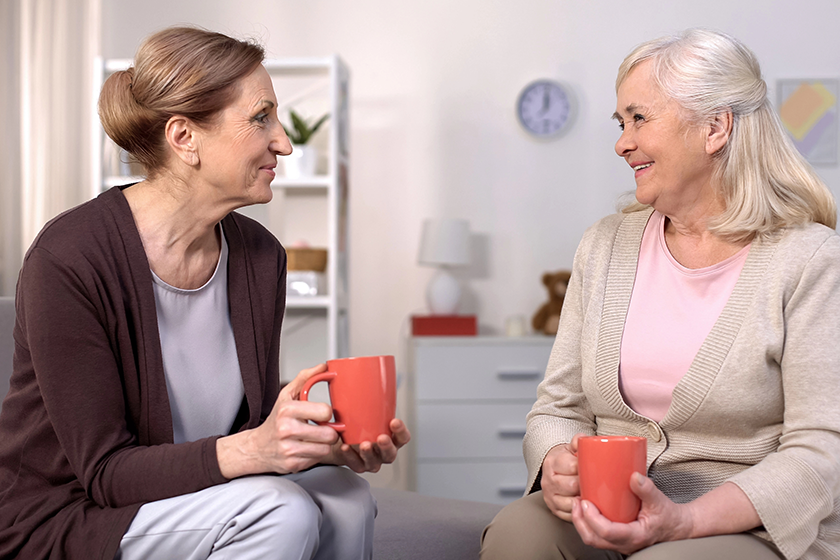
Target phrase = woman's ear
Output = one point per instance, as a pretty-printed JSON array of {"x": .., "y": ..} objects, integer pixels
[
  {"x": 181, "y": 135},
  {"x": 719, "y": 131}
]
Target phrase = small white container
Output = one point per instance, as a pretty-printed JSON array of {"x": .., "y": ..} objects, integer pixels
[
  {"x": 302, "y": 162},
  {"x": 515, "y": 325},
  {"x": 305, "y": 283}
]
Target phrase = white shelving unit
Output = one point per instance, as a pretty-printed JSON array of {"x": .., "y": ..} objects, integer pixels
[{"x": 313, "y": 209}]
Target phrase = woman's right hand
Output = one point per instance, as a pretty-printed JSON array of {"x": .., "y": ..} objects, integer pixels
[
  {"x": 560, "y": 483},
  {"x": 286, "y": 442}
]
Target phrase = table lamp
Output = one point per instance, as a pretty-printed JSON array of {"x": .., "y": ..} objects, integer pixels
[{"x": 445, "y": 244}]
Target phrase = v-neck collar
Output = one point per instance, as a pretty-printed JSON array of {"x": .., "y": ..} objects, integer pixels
[
  {"x": 157, "y": 428},
  {"x": 696, "y": 383}
]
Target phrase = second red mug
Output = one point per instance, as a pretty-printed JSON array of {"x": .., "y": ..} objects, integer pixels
[{"x": 605, "y": 464}]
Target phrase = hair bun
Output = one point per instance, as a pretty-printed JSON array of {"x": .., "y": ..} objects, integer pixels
[
  {"x": 177, "y": 71},
  {"x": 123, "y": 117},
  {"x": 129, "y": 72}
]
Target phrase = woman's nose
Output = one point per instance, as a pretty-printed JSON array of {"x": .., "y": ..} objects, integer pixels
[
  {"x": 625, "y": 143},
  {"x": 281, "y": 144}
]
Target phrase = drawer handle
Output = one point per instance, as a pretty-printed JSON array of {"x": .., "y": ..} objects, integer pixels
[
  {"x": 517, "y": 433},
  {"x": 514, "y": 491},
  {"x": 518, "y": 375}
]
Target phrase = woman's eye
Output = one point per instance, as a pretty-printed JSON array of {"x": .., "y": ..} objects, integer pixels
[{"x": 262, "y": 118}]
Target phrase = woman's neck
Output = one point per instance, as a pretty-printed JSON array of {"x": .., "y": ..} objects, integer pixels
[
  {"x": 178, "y": 231},
  {"x": 694, "y": 246}
]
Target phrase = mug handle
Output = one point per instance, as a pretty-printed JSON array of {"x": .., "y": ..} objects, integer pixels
[{"x": 304, "y": 395}]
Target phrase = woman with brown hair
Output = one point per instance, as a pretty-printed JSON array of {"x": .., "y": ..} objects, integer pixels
[{"x": 145, "y": 417}]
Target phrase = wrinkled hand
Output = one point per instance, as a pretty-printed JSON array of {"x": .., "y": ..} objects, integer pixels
[
  {"x": 365, "y": 457},
  {"x": 286, "y": 442},
  {"x": 369, "y": 456},
  {"x": 291, "y": 392},
  {"x": 659, "y": 520},
  {"x": 560, "y": 483}
]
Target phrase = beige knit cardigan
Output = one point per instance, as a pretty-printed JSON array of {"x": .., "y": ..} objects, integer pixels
[{"x": 759, "y": 406}]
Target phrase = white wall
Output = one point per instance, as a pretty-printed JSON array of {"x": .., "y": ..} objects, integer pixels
[{"x": 434, "y": 131}]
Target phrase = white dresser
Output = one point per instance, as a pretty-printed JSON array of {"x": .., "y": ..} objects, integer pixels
[{"x": 471, "y": 398}]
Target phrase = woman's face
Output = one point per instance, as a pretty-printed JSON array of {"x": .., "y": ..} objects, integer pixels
[
  {"x": 238, "y": 153},
  {"x": 672, "y": 169}
]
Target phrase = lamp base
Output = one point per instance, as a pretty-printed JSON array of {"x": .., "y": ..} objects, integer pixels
[{"x": 443, "y": 293}]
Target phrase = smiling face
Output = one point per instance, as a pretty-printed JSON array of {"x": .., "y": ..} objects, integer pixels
[
  {"x": 238, "y": 153},
  {"x": 669, "y": 157}
]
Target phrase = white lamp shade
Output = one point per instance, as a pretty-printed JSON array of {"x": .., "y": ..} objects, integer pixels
[{"x": 445, "y": 242}]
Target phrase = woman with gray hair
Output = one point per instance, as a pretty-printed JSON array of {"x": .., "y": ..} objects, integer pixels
[{"x": 703, "y": 318}]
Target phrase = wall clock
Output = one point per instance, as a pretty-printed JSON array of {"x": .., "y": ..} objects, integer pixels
[{"x": 544, "y": 108}]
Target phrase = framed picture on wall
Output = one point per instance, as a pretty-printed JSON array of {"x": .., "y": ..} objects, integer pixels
[{"x": 808, "y": 109}]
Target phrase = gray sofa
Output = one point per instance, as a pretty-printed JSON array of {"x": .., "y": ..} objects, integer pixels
[{"x": 409, "y": 526}]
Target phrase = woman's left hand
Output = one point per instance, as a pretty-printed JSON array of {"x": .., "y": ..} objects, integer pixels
[
  {"x": 659, "y": 520},
  {"x": 369, "y": 456}
]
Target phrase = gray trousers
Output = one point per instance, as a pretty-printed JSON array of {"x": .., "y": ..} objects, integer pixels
[
  {"x": 324, "y": 513},
  {"x": 526, "y": 528}
]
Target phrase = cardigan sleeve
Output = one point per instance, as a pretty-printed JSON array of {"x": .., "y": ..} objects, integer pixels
[
  {"x": 273, "y": 382},
  {"x": 76, "y": 364},
  {"x": 794, "y": 488},
  {"x": 561, "y": 409}
]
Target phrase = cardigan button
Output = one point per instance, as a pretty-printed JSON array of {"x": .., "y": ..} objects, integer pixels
[{"x": 654, "y": 431}]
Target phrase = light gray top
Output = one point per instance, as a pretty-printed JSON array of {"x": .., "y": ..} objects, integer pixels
[
  {"x": 203, "y": 378},
  {"x": 758, "y": 406}
]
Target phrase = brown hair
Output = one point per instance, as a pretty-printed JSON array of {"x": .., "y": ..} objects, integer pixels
[{"x": 183, "y": 71}]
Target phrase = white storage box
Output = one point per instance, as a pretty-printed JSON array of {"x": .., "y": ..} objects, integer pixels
[{"x": 305, "y": 283}]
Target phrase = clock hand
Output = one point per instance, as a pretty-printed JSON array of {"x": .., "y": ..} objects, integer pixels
[{"x": 546, "y": 101}]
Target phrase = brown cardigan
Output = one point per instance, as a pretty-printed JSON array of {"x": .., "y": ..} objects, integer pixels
[{"x": 86, "y": 430}]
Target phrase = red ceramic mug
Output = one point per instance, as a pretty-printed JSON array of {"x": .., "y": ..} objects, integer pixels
[
  {"x": 605, "y": 464},
  {"x": 363, "y": 394}
]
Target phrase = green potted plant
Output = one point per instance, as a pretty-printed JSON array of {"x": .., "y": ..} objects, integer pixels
[{"x": 304, "y": 157}]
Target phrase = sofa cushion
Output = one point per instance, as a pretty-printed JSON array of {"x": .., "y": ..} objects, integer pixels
[{"x": 412, "y": 526}]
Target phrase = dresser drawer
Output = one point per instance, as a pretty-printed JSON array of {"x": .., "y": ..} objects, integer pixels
[
  {"x": 485, "y": 371},
  {"x": 461, "y": 430},
  {"x": 497, "y": 482}
]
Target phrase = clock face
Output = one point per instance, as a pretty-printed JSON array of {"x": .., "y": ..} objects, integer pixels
[{"x": 544, "y": 108}]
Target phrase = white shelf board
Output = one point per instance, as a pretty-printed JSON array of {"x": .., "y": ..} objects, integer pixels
[
  {"x": 307, "y": 302},
  {"x": 114, "y": 180},
  {"x": 302, "y": 65},
  {"x": 316, "y": 182},
  {"x": 114, "y": 64},
  {"x": 305, "y": 65}
]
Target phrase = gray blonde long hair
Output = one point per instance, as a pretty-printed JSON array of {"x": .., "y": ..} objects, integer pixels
[{"x": 764, "y": 181}]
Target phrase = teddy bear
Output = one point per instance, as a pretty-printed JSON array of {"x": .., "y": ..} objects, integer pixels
[{"x": 547, "y": 317}]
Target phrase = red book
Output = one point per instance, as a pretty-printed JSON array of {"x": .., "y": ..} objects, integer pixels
[{"x": 444, "y": 325}]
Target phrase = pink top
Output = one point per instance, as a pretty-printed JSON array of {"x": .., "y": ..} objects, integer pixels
[{"x": 672, "y": 310}]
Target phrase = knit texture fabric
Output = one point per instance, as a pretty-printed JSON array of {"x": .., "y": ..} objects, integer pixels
[{"x": 758, "y": 405}]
